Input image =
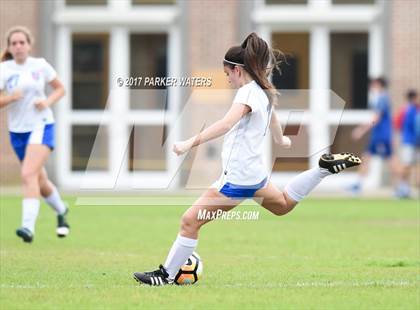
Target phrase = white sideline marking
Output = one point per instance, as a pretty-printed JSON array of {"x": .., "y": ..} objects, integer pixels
[{"x": 373, "y": 283}]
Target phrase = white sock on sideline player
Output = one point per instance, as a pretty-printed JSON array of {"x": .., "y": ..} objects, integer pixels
[
  {"x": 55, "y": 202},
  {"x": 30, "y": 209}
]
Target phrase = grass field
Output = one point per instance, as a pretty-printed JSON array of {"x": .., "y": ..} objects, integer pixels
[{"x": 326, "y": 254}]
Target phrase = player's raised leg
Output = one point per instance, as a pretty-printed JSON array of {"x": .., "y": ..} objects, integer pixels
[
  {"x": 280, "y": 203},
  {"x": 196, "y": 216},
  {"x": 274, "y": 200}
]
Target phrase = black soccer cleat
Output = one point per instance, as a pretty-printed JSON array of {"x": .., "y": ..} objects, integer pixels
[
  {"x": 155, "y": 278},
  {"x": 335, "y": 163},
  {"x": 25, "y": 234},
  {"x": 63, "y": 228}
]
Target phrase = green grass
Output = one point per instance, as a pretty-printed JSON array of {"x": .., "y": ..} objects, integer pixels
[{"x": 326, "y": 254}]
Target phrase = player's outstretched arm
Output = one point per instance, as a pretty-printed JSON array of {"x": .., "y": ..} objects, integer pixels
[
  {"x": 363, "y": 129},
  {"x": 215, "y": 130}
]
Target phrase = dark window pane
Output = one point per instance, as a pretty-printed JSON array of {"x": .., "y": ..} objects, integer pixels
[
  {"x": 343, "y": 139},
  {"x": 360, "y": 79},
  {"x": 88, "y": 55},
  {"x": 86, "y": 95},
  {"x": 144, "y": 155},
  {"x": 295, "y": 158},
  {"x": 286, "y": 2},
  {"x": 83, "y": 142},
  {"x": 86, "y": 2},
  {"x": 90, "y": 71},
  {"x": 148, "y": 59},
  {"x": 153, "y": 2},
  {"x": 353, "y": 1},
  {"x": 295, "y": 70},
  {"x": 287, "y": 77},
  {"x": 349, "y": 68}
]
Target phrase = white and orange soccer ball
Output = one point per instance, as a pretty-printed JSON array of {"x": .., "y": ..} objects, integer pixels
[{"x": 191, "y": 271}]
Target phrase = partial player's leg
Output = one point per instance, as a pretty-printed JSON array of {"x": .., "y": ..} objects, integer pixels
[
  {"x": 209, "y": 203},
  {"x": 407, "y": 161},
  {"x": 53, "y": 199},
  {"x": 280, "y": 203},
  {"x": 45, "y": 186},
  {"x": 274, "y": 200},
  {"x": 35, "y": 157}
]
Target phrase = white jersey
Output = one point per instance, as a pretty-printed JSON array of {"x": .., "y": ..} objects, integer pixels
[
  {"x": 30, "y": 78},
  {"x": 243, "y": 147}
]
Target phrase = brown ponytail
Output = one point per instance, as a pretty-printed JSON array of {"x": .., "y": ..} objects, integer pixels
[
  {"x": 6, "y": 55},
  {"x": 259, "y": 60}
]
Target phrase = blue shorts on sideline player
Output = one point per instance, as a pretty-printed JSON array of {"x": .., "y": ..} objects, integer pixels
[
  {"x": 41, "y": 135},
  {"x": 380, "y": 148}
]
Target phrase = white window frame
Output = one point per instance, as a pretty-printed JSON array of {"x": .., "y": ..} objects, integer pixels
[
  {"x": 119, "y": 18},
  {"x": 319, "y": 18}
]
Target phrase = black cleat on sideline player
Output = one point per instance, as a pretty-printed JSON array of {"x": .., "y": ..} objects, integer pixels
[
  {"x": 25, "y": 234},
  {"x": 335, "y": 163},
  {"x": 158, "y": 277},
  {"x": 63, "y": 228}
]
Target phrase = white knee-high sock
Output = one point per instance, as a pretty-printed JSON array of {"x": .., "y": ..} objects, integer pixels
[
  {"x": 181, "y": 250},
  {"x": 54, "y": 201},
  {"x": 30, "y": 209},
  {"x": 302, "y": 184}
]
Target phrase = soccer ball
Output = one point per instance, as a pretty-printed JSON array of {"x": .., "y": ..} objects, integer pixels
[{"x": 191, "y": 271}]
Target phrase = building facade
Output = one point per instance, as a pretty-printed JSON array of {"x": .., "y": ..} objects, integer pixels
[{"x": 329, "y": 44}]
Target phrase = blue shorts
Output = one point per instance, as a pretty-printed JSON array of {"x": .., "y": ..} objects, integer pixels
[
  {"x": 241, "y": 191},
  {"x": 380, "y": 148},
  {"x": 41, "y": 135}
]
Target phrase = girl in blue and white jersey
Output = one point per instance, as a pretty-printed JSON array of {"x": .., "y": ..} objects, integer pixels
[{"x": 23, "y": 80}]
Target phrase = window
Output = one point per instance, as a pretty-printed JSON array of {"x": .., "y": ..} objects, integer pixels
[
  {"x": 295, "y": 158},
  {"x": 286, "y": 2},
  {"x": 90, "y": 71},
  {"x": 295, "y": 71},
  {"x": 148, "y": 59},
  {"x": 343, "y": 139},
  {"x": 146, "y": 156},
  {"x": 86, "y": 2},
  {"x": 153, "y": 2},
  {"x": 353, "y": 1},
  {"x": 85, "y": 139},
  {"x": 349, "y": 68},
  {"x": 293, "y": 83}
]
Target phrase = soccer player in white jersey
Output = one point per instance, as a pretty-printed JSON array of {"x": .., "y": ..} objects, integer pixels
[
  {"x": 244, "y": 174},
  {"x": 31, "y": 125}
]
